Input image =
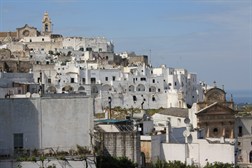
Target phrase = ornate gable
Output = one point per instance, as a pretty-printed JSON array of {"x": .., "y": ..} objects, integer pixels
[
  {"x": 216, "y": 109},
  {"x": 215, "y": 95},
  {"x": 27, "y": 31},
  {"x": 217, "y": 120}
]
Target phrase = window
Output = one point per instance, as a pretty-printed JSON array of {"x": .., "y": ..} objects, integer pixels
[
  {"x": 240, "y": 131},
  {"x": 134, "y": 98},
  {"x": 38, "y": 80},
  {"x": 49, "y": 80},
  {"x": 93, "y": 80},
  {"x": 169, "y": 84},
  {"x": 215, "y": 131},
  {"x": 175, "y": 83},
  {"x": 88, "y": 49},
  {"x": 143, "y": 79},
  {"x": 100, "y": 49},
  {"x": 159, "y": 90},
  {"x": 106, "y": 78},
  {"x": 18, "y": 141},
  {"x": 43, "y": 39},
  {"x": 114, "y": 78},
  {"x": 153, "y": 80},
  {"x": 46, "y": 27},
  {"x": 83, "y": 80},
  {"x": 30, "y": 40},
  {"x": 72, "y": 80}
]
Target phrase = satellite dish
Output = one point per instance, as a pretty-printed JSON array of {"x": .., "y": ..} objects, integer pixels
[
  {"x": 186, "y": 133},
  {"x": 186, "y": 120}
]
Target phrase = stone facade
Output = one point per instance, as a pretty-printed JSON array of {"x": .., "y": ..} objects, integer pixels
[
  {"x": 216, "y": 116},
  {"x": 27, "y": 31},
  {"x": 118, "y": 140}
]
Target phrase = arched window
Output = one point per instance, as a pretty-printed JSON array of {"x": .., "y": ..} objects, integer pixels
[
  {"x": 46, "y": 27},
  {"x": 134, "y": 98},
  {"x": 152, "y": 89},
  {"x": 106, "y": 87},
  {"x": 140, "y": 87},
  {"x": 81, "y": 88},
  {"x": 51, "y": 89},
  {"x": 67, "y": 88},
  {"x": 94, "y": 89}
]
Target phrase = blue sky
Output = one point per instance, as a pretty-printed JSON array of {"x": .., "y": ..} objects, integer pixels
[{"x": 212, "y": 38}]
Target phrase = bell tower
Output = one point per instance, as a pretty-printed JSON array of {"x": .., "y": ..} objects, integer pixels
[{"x": 47, "y": 25}]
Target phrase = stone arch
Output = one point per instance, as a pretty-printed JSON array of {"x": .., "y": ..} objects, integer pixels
[
  {"x": 94, "y": 89},
  {"x": 131, "y": 88},
  {"x": 152, "y": 89},
  {"x": 140, "y": 87},
  {"x": 67, "y": 88},
  {"x": 81, "y": 88},
  {"x": 51, "y": 89},
  {"x": 106, "y": 87}
]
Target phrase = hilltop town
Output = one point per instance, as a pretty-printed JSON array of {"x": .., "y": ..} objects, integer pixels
[{"x": 65, "y": 101}]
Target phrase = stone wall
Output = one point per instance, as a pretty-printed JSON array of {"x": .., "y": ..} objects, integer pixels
[{"x": 119, "y": 144}]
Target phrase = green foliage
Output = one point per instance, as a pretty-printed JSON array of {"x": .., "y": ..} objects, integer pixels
[
  {"x": 82, "y": 150},
  {"x": 179, "y": 164},
  {"x": 50, "y": 52},
  {"x": 150, "y": 112},
  {"x": 52, "y": 166},
  {"x": 220, "y": 165},
  {"x": 120, "y": 162},
  {"x": 171, "y": 164}
]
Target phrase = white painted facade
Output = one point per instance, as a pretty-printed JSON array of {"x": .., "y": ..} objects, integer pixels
[
  {"x": 130, "y": 86},
  {"x": 36, "y": 39},
  {"x": 49, "y": 162},
  {"x": 98, "y": 44},
  {"x": 54, "y": 121}
]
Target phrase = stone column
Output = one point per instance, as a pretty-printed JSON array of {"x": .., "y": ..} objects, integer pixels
[
  {"x": 232, "y": 133},
  {"x": 208, "y": 132},
  {"x": 223, "y": 131}
]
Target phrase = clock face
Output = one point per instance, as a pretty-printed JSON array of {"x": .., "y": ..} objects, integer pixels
[{"x": 26, "y": 33}]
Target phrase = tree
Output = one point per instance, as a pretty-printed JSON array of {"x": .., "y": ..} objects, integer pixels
[
  {"x": 220, "y": 165},
  {"x": 115, "y": 162}
]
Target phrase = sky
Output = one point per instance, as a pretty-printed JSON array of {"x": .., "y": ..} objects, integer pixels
[{"x": 212, "y": 38}]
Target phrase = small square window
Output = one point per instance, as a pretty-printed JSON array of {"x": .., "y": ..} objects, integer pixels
[{"x": 72, "y": 80}]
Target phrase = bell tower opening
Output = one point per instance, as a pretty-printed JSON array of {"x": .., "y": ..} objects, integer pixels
[{"x": 47, "y": 25}]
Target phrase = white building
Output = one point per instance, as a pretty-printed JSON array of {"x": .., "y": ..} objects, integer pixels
[
  {"x": 55, "y": 121},
  {"x": 98, "y": 44},
  {"x": 127, "y": 87}
]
